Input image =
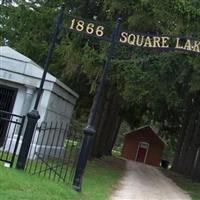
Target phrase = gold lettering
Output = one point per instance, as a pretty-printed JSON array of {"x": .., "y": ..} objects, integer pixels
[
  {"x": 147, "y": 42},
  {"x": 188, "y": 45},
  {"x": 123, "y": 37},
  {"x": 177, "y": 44},
  {"x": 99, "y": 31},
  {"x": 164, "y": 42},
  {"x": 131, "y": 39},
  {"x": 80, "y": 25},
  {"x": 138, "y": 42},
  {"x": 196, "y": 46},
  {"x": 156, "y": 41},
  {"x": 90, "y": 28}
]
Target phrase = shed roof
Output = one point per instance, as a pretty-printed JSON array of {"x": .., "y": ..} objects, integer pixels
[{"x": 137, "y": 130}]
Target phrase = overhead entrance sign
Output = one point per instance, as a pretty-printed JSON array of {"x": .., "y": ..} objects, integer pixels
[
  {"x": 163, "y": 42},
  {"x": 132, "y": 39}
]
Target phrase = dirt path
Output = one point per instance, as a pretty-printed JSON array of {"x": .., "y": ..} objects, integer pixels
[{"x": 143, "y": 182}]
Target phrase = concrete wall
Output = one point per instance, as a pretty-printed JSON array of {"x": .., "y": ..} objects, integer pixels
[{"x": 56, "y": 110}]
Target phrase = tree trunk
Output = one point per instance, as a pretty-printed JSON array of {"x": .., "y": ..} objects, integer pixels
[
  {"x": 194, "y": 170},
  {"x": 187, "y": 116},
  {"x": 116, "y": 130},
  {"x": 112, "y": 123},
  {"x": 101, "y": 117},
  {"x": 191, "y": 154},
  {"x": 187, "y": 160},
  {"x": 195, "y": 173},
  {"x": 185, "y": 145},
  {"x": 107, "y": 124}
]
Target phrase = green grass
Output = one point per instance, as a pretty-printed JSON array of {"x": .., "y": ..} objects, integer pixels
[
  {"x": 116, "y": 153},
  {"x": 101, "y": 177},
  {"x": 99, "y": 180},
  {"x": 191, "y": 187}
]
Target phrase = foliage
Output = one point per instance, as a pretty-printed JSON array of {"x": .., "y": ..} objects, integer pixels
[
  {"x": 168, "y": 153},
  {"x": 124, "y": 128},
  {"x": 153, "y": 85}
]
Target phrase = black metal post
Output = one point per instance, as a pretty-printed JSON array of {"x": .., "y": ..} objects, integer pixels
[
  {"x": 32, "y": 119},
  {"x": 34, "y": 116},
  {"x": 49, "y": 55},
  {"x": 90, "y": 129}
]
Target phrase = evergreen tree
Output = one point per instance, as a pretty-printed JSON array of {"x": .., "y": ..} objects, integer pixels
[{"x": 144, "y": 87}]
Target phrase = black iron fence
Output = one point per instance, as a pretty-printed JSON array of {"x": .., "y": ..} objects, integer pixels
[
  {"x": 54, "y": 152},
  {"x": 10, "y": 132}
]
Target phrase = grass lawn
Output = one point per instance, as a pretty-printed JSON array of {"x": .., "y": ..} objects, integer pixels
[
  {"x": 193, "y": 188},
  {"x": 100, "y": 178}
]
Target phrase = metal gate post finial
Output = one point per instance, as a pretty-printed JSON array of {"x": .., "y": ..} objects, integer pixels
[{"x": 90, "y": 129}]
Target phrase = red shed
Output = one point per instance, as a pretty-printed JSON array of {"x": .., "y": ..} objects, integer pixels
[{"x": 143, "y": 145}]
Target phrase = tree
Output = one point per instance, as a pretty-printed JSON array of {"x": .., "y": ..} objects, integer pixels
[{"x": 144, "y": 86}]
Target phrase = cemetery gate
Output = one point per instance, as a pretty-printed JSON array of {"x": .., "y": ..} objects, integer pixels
[{"x": 54, "y": 152}]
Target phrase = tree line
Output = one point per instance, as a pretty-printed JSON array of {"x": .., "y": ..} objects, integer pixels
[{"x": 144, "y": 86}]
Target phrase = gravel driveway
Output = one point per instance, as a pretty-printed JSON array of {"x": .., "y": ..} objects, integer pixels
[{"x": 144, "y": 182}]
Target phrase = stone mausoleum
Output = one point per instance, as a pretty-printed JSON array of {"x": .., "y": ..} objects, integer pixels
[{"x": 19, "y": 82}]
